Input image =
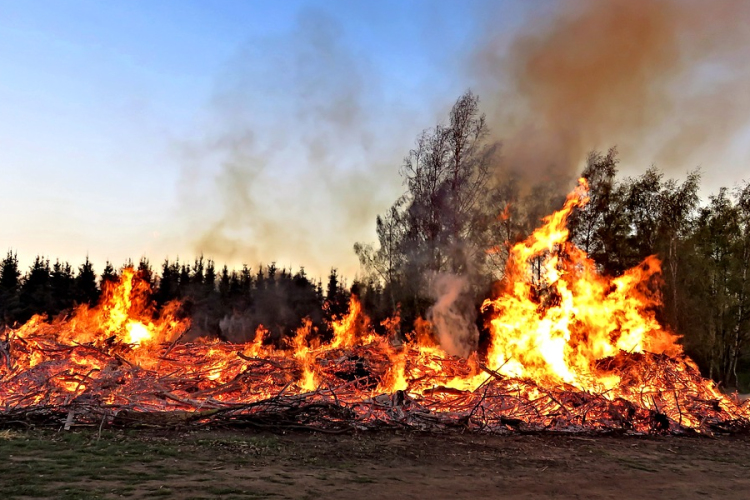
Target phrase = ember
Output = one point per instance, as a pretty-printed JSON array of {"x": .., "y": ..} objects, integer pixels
[{"x": 570, "y": 350}]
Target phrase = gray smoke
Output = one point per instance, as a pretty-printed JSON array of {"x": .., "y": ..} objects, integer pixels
[
  {"x": 298, "y": 163},
  {"x": 453, "y": 315}
]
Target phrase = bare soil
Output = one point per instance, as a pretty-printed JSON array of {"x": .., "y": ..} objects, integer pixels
[{"x": 245, "y": 464}]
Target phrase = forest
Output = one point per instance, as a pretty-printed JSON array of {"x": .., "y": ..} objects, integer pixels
[{"x": 450, "y": 233}]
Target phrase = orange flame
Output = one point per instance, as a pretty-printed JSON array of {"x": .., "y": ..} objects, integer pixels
[
  {"x": 553, "y": 322},
  {"x": 302, "y": 352},
  {"x": 124, "y": 316},
  {"x": 349, "y": 330}
]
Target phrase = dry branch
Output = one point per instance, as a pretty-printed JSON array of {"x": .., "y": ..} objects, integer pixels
[{"x": 112, "y": 389}]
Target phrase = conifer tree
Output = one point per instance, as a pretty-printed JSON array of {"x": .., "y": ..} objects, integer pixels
[
  {"x": 36, "y": 290},
  {"x": 109, "y": 275},
  {"x": 86, "y": 291},
  {"x": 10, "y": 284}
]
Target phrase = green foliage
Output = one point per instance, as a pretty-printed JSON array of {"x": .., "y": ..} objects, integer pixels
[
  {"x": 62, "y": 282},
  {"x": 441, "y": 223},
  {"x": 717, "y": 287},
  {"x": 36, "y": 290},
  {"x": 109, "y": 275}
]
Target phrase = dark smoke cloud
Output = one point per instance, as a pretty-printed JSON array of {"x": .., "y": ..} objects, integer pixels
[
  {"x": 301, "y": 151},
  {"x": 665, "y": 80}
]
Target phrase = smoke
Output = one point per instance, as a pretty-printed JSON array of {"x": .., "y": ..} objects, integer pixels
[
  {"x": 237, "y": 328},
  {"x": 453, "y": 315},
  {"x": 301, "y": 149},
  {"x": 664, "y": 80},
  {"x": 297, "y": 163}
]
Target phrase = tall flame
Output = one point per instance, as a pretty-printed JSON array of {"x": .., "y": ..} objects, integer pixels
[
  {"x": 352, "y": 329},
  {"x": 557, "y": 316}
]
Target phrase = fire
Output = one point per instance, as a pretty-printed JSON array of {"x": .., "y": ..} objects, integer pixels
[
  {"x": 348, "y": 331},
  {"x": 569, "y": 349},
  {"x": 557, "y": 316},
  {"x": 302, "y": 352},
  {"x": 255, "y": 348},
  {"x": 124, "y": 316},
  {"x": 395, "y": 377},
  {"x": 137, "y": 332}
]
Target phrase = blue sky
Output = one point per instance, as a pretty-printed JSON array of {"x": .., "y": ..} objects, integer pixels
[
  {"x": 101, "y": 98},
  {"x": 120, "y": 122}
]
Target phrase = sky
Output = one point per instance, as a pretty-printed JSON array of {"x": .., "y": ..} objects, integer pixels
[{"x": 248, "y": 131}]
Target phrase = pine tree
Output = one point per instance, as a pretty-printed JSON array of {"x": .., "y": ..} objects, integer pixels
[
  {"x": 36, "y": 290},
  {"x": 145, "y": 272},
  {"x": 224, "y": 284},
  {"x": 10, "y": 284},
  {"x": 109, "y": 275},
  {"x": 336, "y": 297},
  {"x": 62, "y": 283},
  {"x": 184, "y": 280},
  {"x": 86, "y": 291},
  {"x": 169, "y": 282},
  {"x": 198, "y": 277},
  {"x": 209, "y": 281}
]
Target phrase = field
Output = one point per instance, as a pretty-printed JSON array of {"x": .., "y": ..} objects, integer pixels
[{"x": 246, "y": 464}]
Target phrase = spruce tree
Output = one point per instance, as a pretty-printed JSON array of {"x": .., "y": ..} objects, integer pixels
[
  {"x": 109, "y": 275},
  {"x": 10, "y": 284},
  {"x": 62, "y": 283},
  {"x": 86, "y": 291},
  {"x": 36, "y": 290}
]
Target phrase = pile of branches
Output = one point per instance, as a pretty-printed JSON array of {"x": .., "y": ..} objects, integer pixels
[{"x": 197, "y": 385}]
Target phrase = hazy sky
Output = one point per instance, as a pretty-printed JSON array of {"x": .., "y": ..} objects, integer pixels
[{"x": 250, "y": 131}]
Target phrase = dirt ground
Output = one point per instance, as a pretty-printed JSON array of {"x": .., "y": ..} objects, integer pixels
[{"x": 247, "y": 464}]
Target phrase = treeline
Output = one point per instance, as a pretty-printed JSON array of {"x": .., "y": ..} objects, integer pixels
[
  {"x": 704, "y": 249},
  {"x": 453, "y": 211},
  {"x": 224, "y": 303}
]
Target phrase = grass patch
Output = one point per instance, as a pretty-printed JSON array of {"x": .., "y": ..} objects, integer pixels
[
  {"x": 40, "y": 464},
  {"x": 44, "y": 464}
]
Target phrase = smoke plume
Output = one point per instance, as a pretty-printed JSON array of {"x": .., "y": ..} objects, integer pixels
[
  {"x": 453, "y": 315},
  {"x": 297, "y": 164},
  {"x": 664, "y": 80}
]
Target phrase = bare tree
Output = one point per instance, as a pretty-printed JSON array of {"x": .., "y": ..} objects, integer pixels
[{"x": 447, "y": 176}]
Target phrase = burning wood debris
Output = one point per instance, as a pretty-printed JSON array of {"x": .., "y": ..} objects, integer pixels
[{"x": 570, "y": 350}]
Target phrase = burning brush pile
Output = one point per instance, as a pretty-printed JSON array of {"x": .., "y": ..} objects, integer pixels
[{"x": 570, "y": 350}]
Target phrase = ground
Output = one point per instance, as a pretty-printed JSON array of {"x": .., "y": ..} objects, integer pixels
[{"x": 393, "y": 465}]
